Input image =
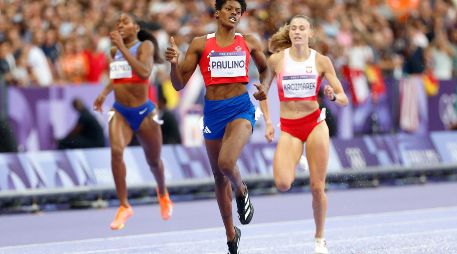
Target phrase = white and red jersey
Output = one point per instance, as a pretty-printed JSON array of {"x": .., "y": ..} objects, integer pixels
[
  {"x": 223, "y": 65},
  {"x": 298, "y": 80}
]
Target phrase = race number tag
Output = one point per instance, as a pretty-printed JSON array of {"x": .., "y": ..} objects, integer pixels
[
  {"x": 299, "y": 86},
  {"x": 227, "y": 64},
  {"x": 120, "y": 69}
]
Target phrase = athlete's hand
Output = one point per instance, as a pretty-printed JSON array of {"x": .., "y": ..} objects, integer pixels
[
  {"x": 172, "y": 53},
  {"x": 269, "y": 132},
  {"x": 116, "y": 39},
  {"x": 260, "y": 95},
  {"x": 328, "y": 92},
  {"x": 98, "y": 103}
]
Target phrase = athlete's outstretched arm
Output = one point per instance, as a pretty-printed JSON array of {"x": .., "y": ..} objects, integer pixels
[
  {"x": 262, "y": 93},
  {"x": 141, "y": 65},
  {"x": 334, "y": 91},
  {"x": 180, "y": 73},
  {"x": 269, "y": 75},
  {"x": 269, "y": 129},
  {"x": 98, "y": 103}
]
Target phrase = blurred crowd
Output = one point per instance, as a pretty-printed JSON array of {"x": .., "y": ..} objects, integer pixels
[{"x": 62, "y": 42}]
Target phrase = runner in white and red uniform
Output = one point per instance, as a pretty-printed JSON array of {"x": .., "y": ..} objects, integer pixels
[{"x": 299, "y": 71}]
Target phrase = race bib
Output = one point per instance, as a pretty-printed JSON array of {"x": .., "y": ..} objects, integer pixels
[
  {"x": 299, "y": 86},
  {"x": 227, "y": 64},
  {"x": 120, "y": 69}
]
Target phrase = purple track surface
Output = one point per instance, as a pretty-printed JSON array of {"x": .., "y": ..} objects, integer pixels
[{"x": 409, "y": 219}]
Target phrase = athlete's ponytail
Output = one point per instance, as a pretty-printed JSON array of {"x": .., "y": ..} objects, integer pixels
[
  {"x": 144, "y": 35},
  {"x": 280, "y": 40}
]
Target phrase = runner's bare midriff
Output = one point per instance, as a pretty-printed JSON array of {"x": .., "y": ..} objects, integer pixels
[
  {"x": 131, "y": 95},
  {"x": 224, "y": 91},
  {"x": 297, "y": 109}
]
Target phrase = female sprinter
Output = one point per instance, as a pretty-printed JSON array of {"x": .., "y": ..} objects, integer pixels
[
  {"x": 133, "y": 55},
  {"x": 228, "y": 117},
  {"x": 299, "y": 71}
]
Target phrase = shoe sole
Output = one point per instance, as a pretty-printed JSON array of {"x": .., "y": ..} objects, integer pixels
[
  {"x": 118, "y": 228},
  {"x": 123, "y": 224}
]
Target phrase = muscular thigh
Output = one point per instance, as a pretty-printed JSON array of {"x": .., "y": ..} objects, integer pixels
[
  {"x": 150, "y": 137},
  {"x": 213, "y": 148},
  {"x": 317, "y": 150},
  {"x": 287, "y": 155},
  {"x": 237, "y": 134},
  {"x": 120, "y": 133}
]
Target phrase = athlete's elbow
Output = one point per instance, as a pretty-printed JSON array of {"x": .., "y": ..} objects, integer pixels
[
  {"x": 144, "y": 74},
  {"x": 177, "y": 86},
  {"x": 344, "y": 101}
]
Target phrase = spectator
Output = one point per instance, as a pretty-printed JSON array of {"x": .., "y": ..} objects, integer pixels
[
  {"x": 5, "y": 63},
  {"x": 453, "y": 40},
  {"x": 359, "y": 56},
  {"x": 72, "y": 65},
  {"x": 97, "y": 62},
  {"x": 20, "y": 73},
  {"x": 441, "y": 54},
  {"x": 415, "y": 61},
  {"x": 86, "y": 133},
  {"x": 38, "y": 63},
  {"x": 8, "y": 140},
  {"x": 50, "y": 46}
]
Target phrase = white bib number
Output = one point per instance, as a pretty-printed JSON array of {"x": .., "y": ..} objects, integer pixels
[
  {"x": 299, "y": 86},
  {"x": 227, "y": 64},
  {"x": 120, "y": 69}
]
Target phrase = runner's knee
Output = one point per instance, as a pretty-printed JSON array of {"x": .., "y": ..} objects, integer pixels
[
  {"x": 283, "y": 184},
  {"x": 226, "y": 164},
  {"x": 117, "y": 153},
  {"x": 154, "y": 163},
  {"x": 317, "y": 187},
  {"x": 219, "y": 178}
]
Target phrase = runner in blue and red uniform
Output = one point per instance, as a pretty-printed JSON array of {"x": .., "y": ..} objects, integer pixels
[
  {"x": 228, "y": 118},
  {"x": 133, "y": 56}
]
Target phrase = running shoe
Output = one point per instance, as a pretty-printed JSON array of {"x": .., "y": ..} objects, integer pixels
[
  {"x": 245, "y": 208},
  {"x": 235, "y": 243},
  {"x": 320, "y": 246},
  {"x": 166, "y": 206},
  {"x": 122, "y": 214},
  {"x": 303, "y": 163}
]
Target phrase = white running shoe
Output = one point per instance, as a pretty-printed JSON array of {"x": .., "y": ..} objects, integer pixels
[
  {"x": 303, "y": 163},
  {"x": 320, "y": 246}
]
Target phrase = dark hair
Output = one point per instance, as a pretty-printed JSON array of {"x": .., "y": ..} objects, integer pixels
[
  {"x": 144, "y": 35},
  {"x": 220, "y": 3}
]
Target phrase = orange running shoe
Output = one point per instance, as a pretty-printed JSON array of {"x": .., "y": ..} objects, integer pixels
[
  {"x": 123, "y": 213},
  {"x": 166, "y": 206}
]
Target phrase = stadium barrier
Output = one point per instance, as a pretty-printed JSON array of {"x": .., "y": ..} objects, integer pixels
[{"x": 85, "y": 174}]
